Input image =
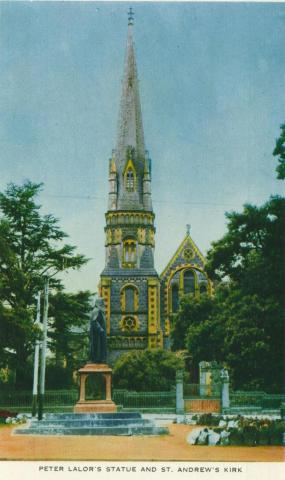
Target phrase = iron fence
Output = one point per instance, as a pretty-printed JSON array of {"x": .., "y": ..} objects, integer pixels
[
  {"x": 64, "y": 400},
  {"x": 23, "y": 400},
  {"x": 56, "y": 400},
  {"x": 145, "y": 400},
  {"x": 261, "y": 400}
]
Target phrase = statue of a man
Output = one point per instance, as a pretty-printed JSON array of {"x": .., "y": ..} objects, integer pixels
[{"x": 97, "y": 333}]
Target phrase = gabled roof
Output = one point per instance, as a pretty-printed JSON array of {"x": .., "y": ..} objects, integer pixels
[{"x": 196, "y": 259}]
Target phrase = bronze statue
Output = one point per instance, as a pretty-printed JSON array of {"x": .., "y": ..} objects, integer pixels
[{"x": 97, "y": 333}]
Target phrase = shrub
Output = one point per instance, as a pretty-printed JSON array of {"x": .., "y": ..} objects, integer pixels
[
  {"x": 147, "y": 370},
  {"x": 209, "y": 419}
]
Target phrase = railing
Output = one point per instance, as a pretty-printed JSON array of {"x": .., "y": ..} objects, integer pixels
[
  {"x": 195, "y": 390},
  {"x": 145, "y": 400},
  {"x": 53, "y": 399},
  {"x": 56, "y": 400},
  {"x": 261, "y": 400}
]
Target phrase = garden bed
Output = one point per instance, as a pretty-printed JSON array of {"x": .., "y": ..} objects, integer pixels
[{"x": 236, "y": 431}]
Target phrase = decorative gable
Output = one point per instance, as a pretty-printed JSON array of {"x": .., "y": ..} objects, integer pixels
[{"x": 187, "y": 253}]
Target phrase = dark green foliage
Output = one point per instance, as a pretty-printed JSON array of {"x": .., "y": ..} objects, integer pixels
[
  {"x": 58, "y": 376},
  {"x": 243, "y": 324},
  {"x": 68, "y": 326},
  {"x": 68, "y": 337},
  {"x": 147, "y": 370},
  {"x": 252, "y": 251},
  {"x": 190, "y": 307},
  {"x": 279, "y": 151},
  {"x": 209, "y": 419},
  {"x": 31, "y": 247}
]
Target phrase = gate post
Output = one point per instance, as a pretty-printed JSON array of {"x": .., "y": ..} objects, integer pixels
[
  {"x": 225, "y": 388},
  {"x": 179, "y": 393}
]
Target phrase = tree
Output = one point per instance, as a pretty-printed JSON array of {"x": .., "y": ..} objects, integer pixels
[
  {"x": 244, "y": 323},
  {"x": 279, "y": 151},
  {"x": 147, "y": 370},
  {"x": 31, "y": 248},
  {"x": 68, "y": 337},
  {"x": 251, "y": 254},
  {"x": 198, "y": 309},
  {"x": 245, "y": 332},
  {"x": 253, "y": 342}
]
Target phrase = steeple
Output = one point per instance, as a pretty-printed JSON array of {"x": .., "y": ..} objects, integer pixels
[
  {"x": 129, "y": 281},
  {"x": 130, "y": 178},
  {"x": 130, "y": 127}
]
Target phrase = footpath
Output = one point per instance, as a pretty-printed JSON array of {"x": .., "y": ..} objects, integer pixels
[{"x": 172, "y": 447}]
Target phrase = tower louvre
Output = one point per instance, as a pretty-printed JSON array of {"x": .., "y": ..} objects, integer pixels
[{"x": 129, "y": 282}]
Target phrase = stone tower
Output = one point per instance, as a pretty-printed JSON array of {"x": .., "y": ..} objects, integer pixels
[{"x": 129, "y": 282}]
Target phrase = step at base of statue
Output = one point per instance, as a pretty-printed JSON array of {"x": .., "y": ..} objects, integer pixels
[
  {"x": 91, "y": 416},
  {"x": 125, "y": 424}
]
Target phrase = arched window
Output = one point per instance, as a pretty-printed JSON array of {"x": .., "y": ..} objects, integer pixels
[
  {"x": 130, "y": 180},
  {"x": 129, "y": 299},
  {"x": 129, "y": 253},
  {"x": 189, "y": 282},
  {"x": 174, "y": 297}
]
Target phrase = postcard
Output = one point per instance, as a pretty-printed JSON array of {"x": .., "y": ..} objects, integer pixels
[{"x": 141, "y": 239}]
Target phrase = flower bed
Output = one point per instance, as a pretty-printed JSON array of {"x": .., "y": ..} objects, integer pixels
[
  {"x": 7, "y": 417},
  {"x": 4, "y": 414},
  {"x": 237, "y": 431}
]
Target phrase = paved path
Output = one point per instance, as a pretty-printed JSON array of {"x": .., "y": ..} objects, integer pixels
[{"x": 168, "y": 447}]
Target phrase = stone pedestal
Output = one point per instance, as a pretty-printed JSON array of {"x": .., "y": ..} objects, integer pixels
[{"x": 106, "y": 405}]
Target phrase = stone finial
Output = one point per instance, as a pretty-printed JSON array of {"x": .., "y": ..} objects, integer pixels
[{"x": 188, "y": 227}]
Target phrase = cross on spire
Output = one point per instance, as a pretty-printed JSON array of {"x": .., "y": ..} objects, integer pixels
[
  {"x": 188, "y": 227},
  {"x": 131, "y": 16}
]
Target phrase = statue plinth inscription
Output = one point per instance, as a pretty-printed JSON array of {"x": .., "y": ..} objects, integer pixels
[{"x": 96, "y": 364}]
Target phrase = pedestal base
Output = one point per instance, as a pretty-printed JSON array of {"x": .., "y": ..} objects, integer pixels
[
  {"x": 86, "y": 406},
  {"x": 95, "y": 406}
]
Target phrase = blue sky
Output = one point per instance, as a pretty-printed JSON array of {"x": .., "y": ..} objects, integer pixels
[{"x": 212, "y": 82}]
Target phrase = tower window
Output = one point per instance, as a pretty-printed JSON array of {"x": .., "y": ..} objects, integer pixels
[
  {"x": 129, "y": 299},
  {"x": 129, "y": 253},
  {"x": 130, "y": 180}
]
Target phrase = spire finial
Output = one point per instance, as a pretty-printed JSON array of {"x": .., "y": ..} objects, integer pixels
[
  {"x": 130, "y": 16},
  {"x": 188, "y": 227}
]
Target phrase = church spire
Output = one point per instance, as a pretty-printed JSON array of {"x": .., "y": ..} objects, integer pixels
[{"x": 130, "y": 127}]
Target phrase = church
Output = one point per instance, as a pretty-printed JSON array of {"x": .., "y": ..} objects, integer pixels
[{"x": 139, "y": 302}]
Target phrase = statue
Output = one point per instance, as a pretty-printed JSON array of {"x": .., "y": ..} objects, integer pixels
[{"x": 97, "y": 333}]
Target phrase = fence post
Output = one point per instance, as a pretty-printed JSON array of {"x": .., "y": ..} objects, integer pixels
[{"x": 179, "y": 392}]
